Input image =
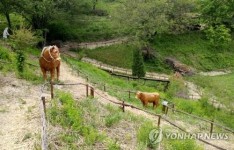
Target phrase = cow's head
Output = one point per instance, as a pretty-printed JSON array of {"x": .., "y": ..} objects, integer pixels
[
  {"x": 54, "y": 51},
  {"x": 138, "y": 95}
]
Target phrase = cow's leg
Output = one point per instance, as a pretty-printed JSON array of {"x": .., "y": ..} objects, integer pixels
[
  {"x": 52, "y": 73},
  {"x": 44, "y": 73},
  {"x": 154, "y": 103},
  {"x": 58, "y": 72}
]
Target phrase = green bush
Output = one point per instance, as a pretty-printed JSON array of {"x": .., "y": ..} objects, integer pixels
[
  {"x": 60, "y": 31},
  {"x": 182, "y": 145},
  {"x": 112, "y": 119},
  {"x": 113, "y": 146},
  {"x": 143, "y": 134},
  {"x": 138, "y": 68},
  {"x": 219, "y": 36},
  {"x": 5, "y": 54}
]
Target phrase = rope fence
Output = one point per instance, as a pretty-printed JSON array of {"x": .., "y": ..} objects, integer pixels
[{"x": 90, "y": 91}]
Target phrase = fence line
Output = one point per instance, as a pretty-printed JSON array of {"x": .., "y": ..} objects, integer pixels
[
  {"x": 123, "y": 105},
  {"x": 190, "y": 96},
  {"x": 173, "y": 109},
  {"x": 114, "y": 69},
  {"x": 202, "y": 119},
  {"x": 103, "y": 43},
  {"x": 44, "y": 127}
]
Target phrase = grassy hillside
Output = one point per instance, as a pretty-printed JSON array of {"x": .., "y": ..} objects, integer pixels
[
  {"x": 86, "y": 123},
  {"x": 192, "y": 49},
  {"x": 220, "y": 87},
  {"x": 201, "y": 108}
]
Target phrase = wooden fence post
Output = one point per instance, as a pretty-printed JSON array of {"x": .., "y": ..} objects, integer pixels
[
  {"x": 211, "y": 127},
  {"x": 173, "y": 107},
  {"x": 166, "y": 86},
  {"x": 104, "y": 87},
  {"x": 129, "y": 94},
  {"x": 52, "y": 90},
  {"x": 166, "y": 110},
  {"x": 87, "y": 90},
  {"x": 123, "y": 106},
  {"x": 92, "y": 92},
  {"x": 159, "y": 120},
  {"x": 44, "y": 105},
  {"x": 43, "y": 131}
]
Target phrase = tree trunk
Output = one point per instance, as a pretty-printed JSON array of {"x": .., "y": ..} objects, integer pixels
[{"x": 8, "y": 19}]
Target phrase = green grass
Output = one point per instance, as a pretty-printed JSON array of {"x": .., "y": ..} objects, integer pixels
[
  {"x": 101, "y": 77},
  {"x": 200, "y": 108},
  {"x": 194, "y": 50},
  {"x": 117, "y": 55},
  {"x": 219, "y": 86},
  {"x": 8, "y": 64},
  {"x": 191, "y": 49}
]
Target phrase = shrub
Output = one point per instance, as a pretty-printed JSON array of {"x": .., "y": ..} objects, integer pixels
[
  {"x": 22, "y": 39},
  {"x": 138, "y": 68},
  {"x": 218, "y": 36},
  {"x": 4, "y": 54},
  {"x": 112, "y": 119},
  {"x": 60, "y": 31},
  {"x": 143, "y": 134},
  {"x": 182, "y": 145}
]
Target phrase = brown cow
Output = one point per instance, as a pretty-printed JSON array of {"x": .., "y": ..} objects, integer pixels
[
  {"x": 49, "y": 61},
  {"x": 148, "y": 98}
]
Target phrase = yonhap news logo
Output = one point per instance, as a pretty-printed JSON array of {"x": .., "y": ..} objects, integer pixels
[
  {"x": 157, "y": 135},
  {"x": 197, "y": 136}
]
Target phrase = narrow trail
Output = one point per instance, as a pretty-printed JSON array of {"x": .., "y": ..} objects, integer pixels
[
  {"x": 19, "y": 112},
  {"x": 68, "y": 76},
  {"x": 93, "y": 45}
]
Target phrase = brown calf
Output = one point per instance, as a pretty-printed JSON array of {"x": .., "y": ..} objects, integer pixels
[{"x": 148, "y": 98}]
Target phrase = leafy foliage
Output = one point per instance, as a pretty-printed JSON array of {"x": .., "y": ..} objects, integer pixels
[
  {"x": 216, "y": 12},
  {"x": 218, "y": 36},
  {"x": 22, "y": 39},
  {"x": 143, "y": 19},
  {"x": 138, "y": 64}
]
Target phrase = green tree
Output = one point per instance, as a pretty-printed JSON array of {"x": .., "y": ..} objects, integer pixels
[
  {"x": 143, "y": 19},
  {"x": 182, "y": 15},
  {"x": 216, "y": 12},
  {"x": 138, "y": 68},
  {"x": 6, "y": 8}
]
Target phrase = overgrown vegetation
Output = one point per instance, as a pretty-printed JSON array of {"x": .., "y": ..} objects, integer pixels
[
  {"x": 191, "y": 49},
  {"x": 138, "y": 68},
  {"x": 9, "y": 59}
]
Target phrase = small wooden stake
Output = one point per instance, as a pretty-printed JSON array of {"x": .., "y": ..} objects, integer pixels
[
  {"x": 159, "y": 120},
  {"x": 44, "y": 105},
  {"x": 92, "y": 92},
  {"x": 87, "y": 90},
  {"x": 123, "y": 106},
  {"x": 52, "y": 89},
  {"x": 211, "y": 127}
]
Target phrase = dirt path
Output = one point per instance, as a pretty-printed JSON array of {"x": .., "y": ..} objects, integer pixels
[
  {"x": 19, "y": 113},
  {"x": 93, "y": 45}
]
